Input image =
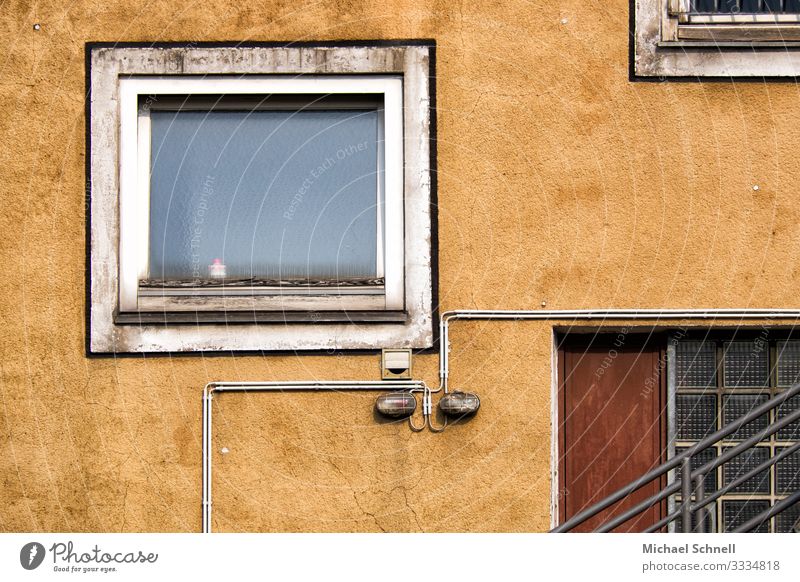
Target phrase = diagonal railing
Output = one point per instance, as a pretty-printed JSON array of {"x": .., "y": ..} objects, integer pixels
[{"x": 691, "y": 481}]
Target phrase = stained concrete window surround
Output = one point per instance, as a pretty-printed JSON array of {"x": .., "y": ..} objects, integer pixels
[
  {"x": 114, "y": 328},
  {"x": 664, "y": 48}
]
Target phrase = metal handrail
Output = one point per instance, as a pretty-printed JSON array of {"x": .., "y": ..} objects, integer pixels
[
  {"x": 700, "y": 504},
  {"x": 688, "y": 476}
]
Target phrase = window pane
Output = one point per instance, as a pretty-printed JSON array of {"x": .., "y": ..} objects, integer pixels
[
  {"x": 788, "y": 473},
  {"x": 739, "y": 405},
  {"x": 791, "y": 431},
  {"x": 696, "y": 416},
  {"x": 736, "y": 513},
  {"x": 267, "y": 194},
  {"x": 788, "y": 363},
  {"x": 703, "y": 5},
  {"x": 696, "y": 364},
  {"x": 746, "y": 364},
  {"x": 743, "y": 463},
  {"x": 788, "y": 521}
]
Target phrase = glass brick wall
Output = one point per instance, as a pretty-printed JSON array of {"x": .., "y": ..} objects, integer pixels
[{"x": 718, "y": 381}]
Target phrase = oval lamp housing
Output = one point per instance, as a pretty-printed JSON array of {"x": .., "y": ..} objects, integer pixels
[
  {"x": 396, "y": 404},
  {"x": 459, "y": 403}
]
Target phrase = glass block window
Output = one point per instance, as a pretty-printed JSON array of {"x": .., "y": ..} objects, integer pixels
[
  {"x": 741, "y": 465},
  {"x": 697, "y": 414},
  {"x": 746, "y": 364},
  {"x": 788, "y": 521},
  {"x": 696, "y": 364},
  {"x": 788, "y": 474},
  {"x": 788, "y": 363},
  {"x": 791, "y": 432},
  {"x": 736, "y": 406},
  {"x": 735, "y": 513},
  {"x": 715, "y": 382}
]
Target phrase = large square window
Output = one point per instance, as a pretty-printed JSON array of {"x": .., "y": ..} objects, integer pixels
[{"x": 289, "y": 196}]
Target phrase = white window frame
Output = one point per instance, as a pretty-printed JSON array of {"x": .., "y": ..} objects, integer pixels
[
  {"x": 402, "y": 316},
  {"x": 135, "y": 142},
  {"x": 668, "y": 41}
]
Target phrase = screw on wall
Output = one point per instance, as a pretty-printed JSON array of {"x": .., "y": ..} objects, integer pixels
[
  {"x": 755, "y": 187},
  {"x": 37, "y": 26}
]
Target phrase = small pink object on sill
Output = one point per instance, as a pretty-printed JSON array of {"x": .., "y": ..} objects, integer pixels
[{"x": 216, "y": 270}]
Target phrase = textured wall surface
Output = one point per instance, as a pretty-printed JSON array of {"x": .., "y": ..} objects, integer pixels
[{"x": 559, "y": 181}]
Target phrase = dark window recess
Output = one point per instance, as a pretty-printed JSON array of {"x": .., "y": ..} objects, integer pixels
[{"x": 745, "y": 6}]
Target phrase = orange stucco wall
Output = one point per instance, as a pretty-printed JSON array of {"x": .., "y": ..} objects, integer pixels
[{"x": 559, "y": 181}]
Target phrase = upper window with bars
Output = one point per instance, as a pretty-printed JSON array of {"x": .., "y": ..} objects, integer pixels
[
  {"x": 732, "y": 20},
  {"x": 683, "y": 38}
]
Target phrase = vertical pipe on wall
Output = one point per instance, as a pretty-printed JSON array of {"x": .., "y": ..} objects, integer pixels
[
  {"x": 686, "y": 495},
  {"x": 289, "y": 386}
]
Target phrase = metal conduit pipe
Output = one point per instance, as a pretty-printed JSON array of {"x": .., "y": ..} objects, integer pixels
[
  {"x": 444, "y": 347},
  {"x": 591, "y": 314},
  {"x": 309, "y": 386}
]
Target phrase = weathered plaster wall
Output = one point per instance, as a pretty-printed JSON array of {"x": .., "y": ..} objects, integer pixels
[{"x": 559, "y": 181}]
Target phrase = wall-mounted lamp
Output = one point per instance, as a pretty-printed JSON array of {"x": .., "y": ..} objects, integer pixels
[
  {"x": 459, "y": 403},
  {"x": 396, "y": 404}
]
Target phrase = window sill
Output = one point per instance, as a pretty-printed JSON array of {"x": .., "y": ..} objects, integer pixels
[{"x": 746, "y": 34}]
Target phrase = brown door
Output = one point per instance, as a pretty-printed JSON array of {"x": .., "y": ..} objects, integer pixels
[{"x": 611, "y": 427}]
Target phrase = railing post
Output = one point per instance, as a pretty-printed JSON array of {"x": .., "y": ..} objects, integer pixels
[
  {"x": 686, "y": 495},
  {"x": 699, "y": 494}
]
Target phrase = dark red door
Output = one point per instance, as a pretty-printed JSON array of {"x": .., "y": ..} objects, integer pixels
[{"x": 612, "y": 422}]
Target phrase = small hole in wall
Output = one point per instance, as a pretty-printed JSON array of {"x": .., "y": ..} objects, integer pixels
[{"x": 37, "y": 26}]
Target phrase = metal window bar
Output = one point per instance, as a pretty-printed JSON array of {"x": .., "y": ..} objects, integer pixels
[
  {"x": 744, "y": 6},
  {"x": 689, "y": 476}
]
